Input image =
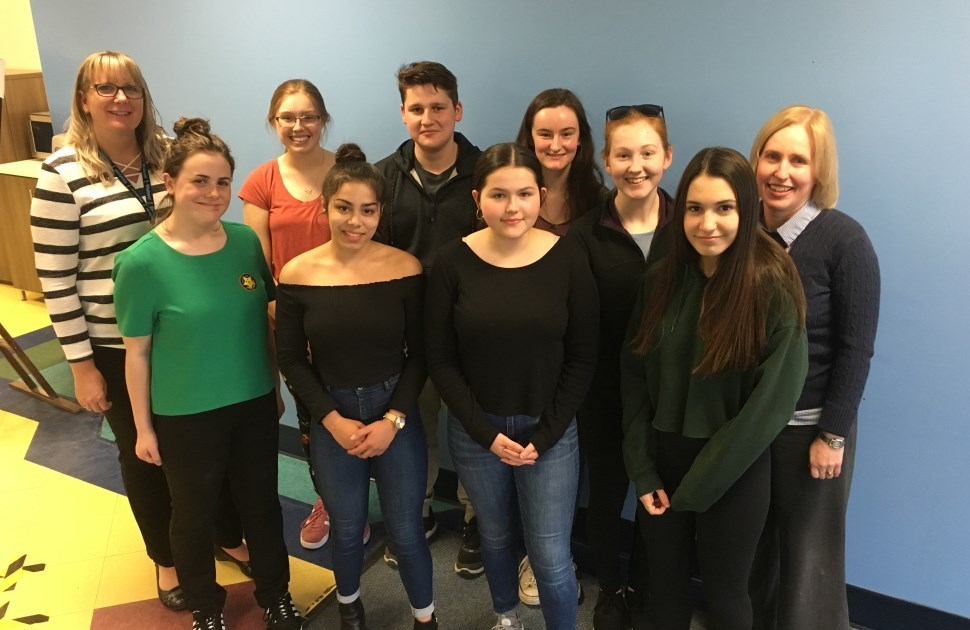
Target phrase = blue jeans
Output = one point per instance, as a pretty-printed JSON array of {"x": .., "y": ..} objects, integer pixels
[
  {"x": 401, "y": 474},
  {"x": 545, "y": 493}
]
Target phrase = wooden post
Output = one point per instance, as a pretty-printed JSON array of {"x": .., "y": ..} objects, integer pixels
[{"x": 38, "y": 387}]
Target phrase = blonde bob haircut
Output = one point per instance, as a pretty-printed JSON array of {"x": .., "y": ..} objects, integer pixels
[
  {"x": 825, "y": 160},
  {"x": 80, "y": 130}
]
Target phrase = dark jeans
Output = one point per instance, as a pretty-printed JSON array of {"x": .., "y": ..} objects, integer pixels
[
  {"x": 798, "y": 581},
  {"x": 545, "y": 495},
  {"x": 726, "y": 537},
  {"x": 601, "y": 444},
  {"x": 201, "y": 453},
  {"x": 343, "y": 480},
  {"x": 145, "y": 484}
]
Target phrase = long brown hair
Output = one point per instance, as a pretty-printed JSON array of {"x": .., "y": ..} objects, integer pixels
[
  {"x": 752, "y": 273},
  {"x": 585, "y": 181}
]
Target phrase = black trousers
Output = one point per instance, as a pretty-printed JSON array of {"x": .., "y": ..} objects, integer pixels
[
  {"x": 201, "y": 453},
  {"x": 726, "y": 537},
  {"x": 601, "y": 448},
  {"x": 145, "y": 484},
  {"x": 798, "y": 582}
]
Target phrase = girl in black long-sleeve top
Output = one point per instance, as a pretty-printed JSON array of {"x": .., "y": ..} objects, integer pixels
[{"x": 511, "y": 317}]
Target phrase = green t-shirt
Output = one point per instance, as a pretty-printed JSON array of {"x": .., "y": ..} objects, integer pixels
[{"x": 207, "y": 318}]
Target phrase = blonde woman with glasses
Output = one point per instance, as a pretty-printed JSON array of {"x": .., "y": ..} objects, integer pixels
[{"x": 94, "y": 198}]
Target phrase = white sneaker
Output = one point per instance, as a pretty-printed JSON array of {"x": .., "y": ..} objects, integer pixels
[
  {"x": 508, "y": 622},
  {"x": 528, "y": 589}
]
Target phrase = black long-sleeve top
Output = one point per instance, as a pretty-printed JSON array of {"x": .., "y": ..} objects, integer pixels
[
  {"x": 356, "y": 334},
  {"x": 617, "y": 264},
  {"x": 510, "y": 341}
]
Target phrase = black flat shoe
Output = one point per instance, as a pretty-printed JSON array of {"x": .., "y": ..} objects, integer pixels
[
  {"x": 174, "y": 599},
  {"x": 352, "y": 615},
  {"x": 223, "y": 556}
]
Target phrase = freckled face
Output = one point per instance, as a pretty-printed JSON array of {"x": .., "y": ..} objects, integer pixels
[
  {"x": 637, "y": 159},
  {"x": 202, "y": 188}
]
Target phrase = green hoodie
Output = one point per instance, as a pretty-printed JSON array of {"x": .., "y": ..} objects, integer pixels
[{"x": 740, "y": 413}]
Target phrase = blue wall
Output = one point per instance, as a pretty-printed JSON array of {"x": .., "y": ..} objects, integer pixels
[{"x": 892, "y": 75}]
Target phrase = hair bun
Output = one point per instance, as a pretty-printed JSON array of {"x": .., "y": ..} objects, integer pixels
[
  {"x": 349, "y": 152},
  {"x": 194, "y": 126}
]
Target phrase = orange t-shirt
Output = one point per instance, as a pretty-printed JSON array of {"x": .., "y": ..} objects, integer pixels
[{"x": 294, "y": 226}]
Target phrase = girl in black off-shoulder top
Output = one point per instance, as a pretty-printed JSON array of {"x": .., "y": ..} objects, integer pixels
[{"x": 350, "y": 343}]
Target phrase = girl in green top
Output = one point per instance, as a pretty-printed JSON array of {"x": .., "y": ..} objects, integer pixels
[
  {"x": 715, "y": 359},
  {"x": 191, "y": 298}
]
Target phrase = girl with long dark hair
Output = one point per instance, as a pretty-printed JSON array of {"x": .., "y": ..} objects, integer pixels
[{"x": 715, "y": 360}]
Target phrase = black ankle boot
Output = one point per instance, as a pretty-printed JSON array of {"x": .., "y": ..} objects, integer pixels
[
  {"x": 352, "y": 615},
  {"x": 431, "y": 624}
]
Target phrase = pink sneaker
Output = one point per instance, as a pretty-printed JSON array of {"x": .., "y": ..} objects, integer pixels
[
  {"x": 315, "y": 530},
  {"x": 366, "y": 533}
]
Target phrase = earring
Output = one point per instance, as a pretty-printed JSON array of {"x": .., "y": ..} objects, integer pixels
[{"x": 479, "y": 215}]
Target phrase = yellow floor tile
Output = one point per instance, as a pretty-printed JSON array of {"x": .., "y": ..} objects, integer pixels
[
  {"x": 125, "y": 536},
  {"x": 126, "y": 578},
  {"x": 20, "y": 316},
  {"x": 59, "y": 589},
  {"x": 309, "y": 583},
  {"x": 84, "y": 535},
  {"x": 74, "y": 621}
]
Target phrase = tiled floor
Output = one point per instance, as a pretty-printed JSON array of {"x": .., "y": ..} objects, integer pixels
[{"x": 71, "y": 557}]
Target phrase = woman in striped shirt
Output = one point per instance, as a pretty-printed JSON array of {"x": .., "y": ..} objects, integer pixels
[{"x": 94, "y": 198}]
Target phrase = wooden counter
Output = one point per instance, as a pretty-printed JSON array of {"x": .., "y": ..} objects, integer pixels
[{"x": 17, "y": 182}]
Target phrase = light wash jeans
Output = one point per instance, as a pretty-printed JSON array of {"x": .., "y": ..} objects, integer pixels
[{"x": 544, "y": 494}]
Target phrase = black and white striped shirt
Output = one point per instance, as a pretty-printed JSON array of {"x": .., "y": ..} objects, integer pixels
[{"x": 78, "y": 225}]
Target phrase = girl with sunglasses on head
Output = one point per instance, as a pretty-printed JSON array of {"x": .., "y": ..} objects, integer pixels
[
  {"x": 355, "y": 305},
  {"x": 192, "y": 298},
  {"x": 282, "y": 203},
  {"x": 510, "y": 319},
  {"x": 618, "y": 236},
  {"x": 714, "y": 361},
  {"x": 94, "y": 198}
]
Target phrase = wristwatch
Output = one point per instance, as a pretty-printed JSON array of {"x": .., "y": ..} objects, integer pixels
[
  {"x": 396, "y": 420},
  {"x": 835, "y": 442}
]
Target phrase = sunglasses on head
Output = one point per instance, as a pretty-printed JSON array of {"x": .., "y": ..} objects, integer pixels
[{"x": 621, "y": 111}]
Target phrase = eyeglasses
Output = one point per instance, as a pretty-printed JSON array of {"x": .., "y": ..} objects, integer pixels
[
  {"x": 289, "y": 120},
  {"x": 110, "y": 90},
  {"x": 650, "y": 111}
]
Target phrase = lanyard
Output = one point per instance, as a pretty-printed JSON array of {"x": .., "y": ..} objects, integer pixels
[{"x": 147, "y": 202}]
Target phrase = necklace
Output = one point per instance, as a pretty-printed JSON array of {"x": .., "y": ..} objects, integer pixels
[{"x": 163, "y": 226}]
